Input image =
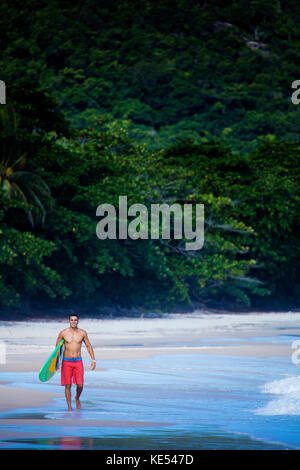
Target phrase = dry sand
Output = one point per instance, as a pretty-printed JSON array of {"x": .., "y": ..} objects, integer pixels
[{"x": 13, "y": 397}]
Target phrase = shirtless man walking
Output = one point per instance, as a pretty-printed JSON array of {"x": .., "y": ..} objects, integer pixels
[{"x": 72, "y": 366}]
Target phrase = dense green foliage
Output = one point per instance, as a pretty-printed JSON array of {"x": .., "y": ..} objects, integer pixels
[
  {"x": 162, "y": 69},
  {"x": 168, "y": 102}
]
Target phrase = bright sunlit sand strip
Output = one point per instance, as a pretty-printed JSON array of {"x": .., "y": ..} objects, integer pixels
[
  {"x": 14, "y": 397},
  {"x": 254, "y": 350}
]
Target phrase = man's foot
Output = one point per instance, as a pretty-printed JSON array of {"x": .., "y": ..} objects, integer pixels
[
  {"x": 70, "y": 408},
  {"x": 78, "y": 404}
]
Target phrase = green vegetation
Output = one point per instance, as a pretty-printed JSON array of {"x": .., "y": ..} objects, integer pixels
[
  {"x": 162, "y": 69},
  {"x": 164, "y": 102}
]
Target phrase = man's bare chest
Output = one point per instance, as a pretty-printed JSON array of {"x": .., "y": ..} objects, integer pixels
[{"x": 73, "y": 338}]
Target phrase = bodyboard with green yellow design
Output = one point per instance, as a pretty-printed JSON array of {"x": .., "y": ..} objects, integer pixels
[{"x": 52, "y": 364}]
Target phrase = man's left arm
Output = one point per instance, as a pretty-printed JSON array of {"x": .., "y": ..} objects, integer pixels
[{"x": 90, "y": 350}]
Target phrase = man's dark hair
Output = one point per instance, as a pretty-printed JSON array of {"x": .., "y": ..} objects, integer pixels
[{"x": 73, "y": 315}]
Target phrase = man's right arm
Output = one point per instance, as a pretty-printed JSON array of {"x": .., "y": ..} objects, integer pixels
[{"x": 59, "y": 338}]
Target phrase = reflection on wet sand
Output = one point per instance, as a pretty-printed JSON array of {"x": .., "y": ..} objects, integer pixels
[{"x": 155, "y": 441}]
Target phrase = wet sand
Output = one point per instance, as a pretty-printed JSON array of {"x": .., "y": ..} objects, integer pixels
[
  {"x": 13, "y": 397},
  {"x": 28, "y": 345}
]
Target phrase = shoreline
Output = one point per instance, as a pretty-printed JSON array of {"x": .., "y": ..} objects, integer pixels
[
  {"x": 202, "y": 333},
  {"x": 173, "y": 379}
]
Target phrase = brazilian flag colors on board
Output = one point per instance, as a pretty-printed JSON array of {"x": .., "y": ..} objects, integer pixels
[{"x": 53, "y": 363}]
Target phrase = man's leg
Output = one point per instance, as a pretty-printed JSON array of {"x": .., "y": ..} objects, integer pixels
[
  {"x": 78, "y": 393},
  {"x": 79, "y": 372},
  {"x": 68, "y": 396}
]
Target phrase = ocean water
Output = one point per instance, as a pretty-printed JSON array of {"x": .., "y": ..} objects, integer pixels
[
  {"x": 166, "y": 401},
  {"x": 189, "y": 401}
]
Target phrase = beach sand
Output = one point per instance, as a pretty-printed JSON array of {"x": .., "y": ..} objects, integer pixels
[
  {"x": 14, "y": 397},
  {"x": 28, "y": 344}
]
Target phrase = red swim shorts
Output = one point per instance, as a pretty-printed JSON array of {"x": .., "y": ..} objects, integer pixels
[{"x": 72, "y": 369}]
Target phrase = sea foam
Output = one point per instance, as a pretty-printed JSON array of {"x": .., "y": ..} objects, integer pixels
[{"x": 287, "y": 401}]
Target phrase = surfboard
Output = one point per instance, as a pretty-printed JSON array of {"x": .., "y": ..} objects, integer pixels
[{"x": 53, "y": 363}]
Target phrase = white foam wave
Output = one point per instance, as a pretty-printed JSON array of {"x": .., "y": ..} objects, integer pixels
[{"x": 287, "y": 401}]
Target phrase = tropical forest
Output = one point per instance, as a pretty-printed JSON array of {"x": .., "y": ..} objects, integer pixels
[{"x": 174, "y": 102}]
